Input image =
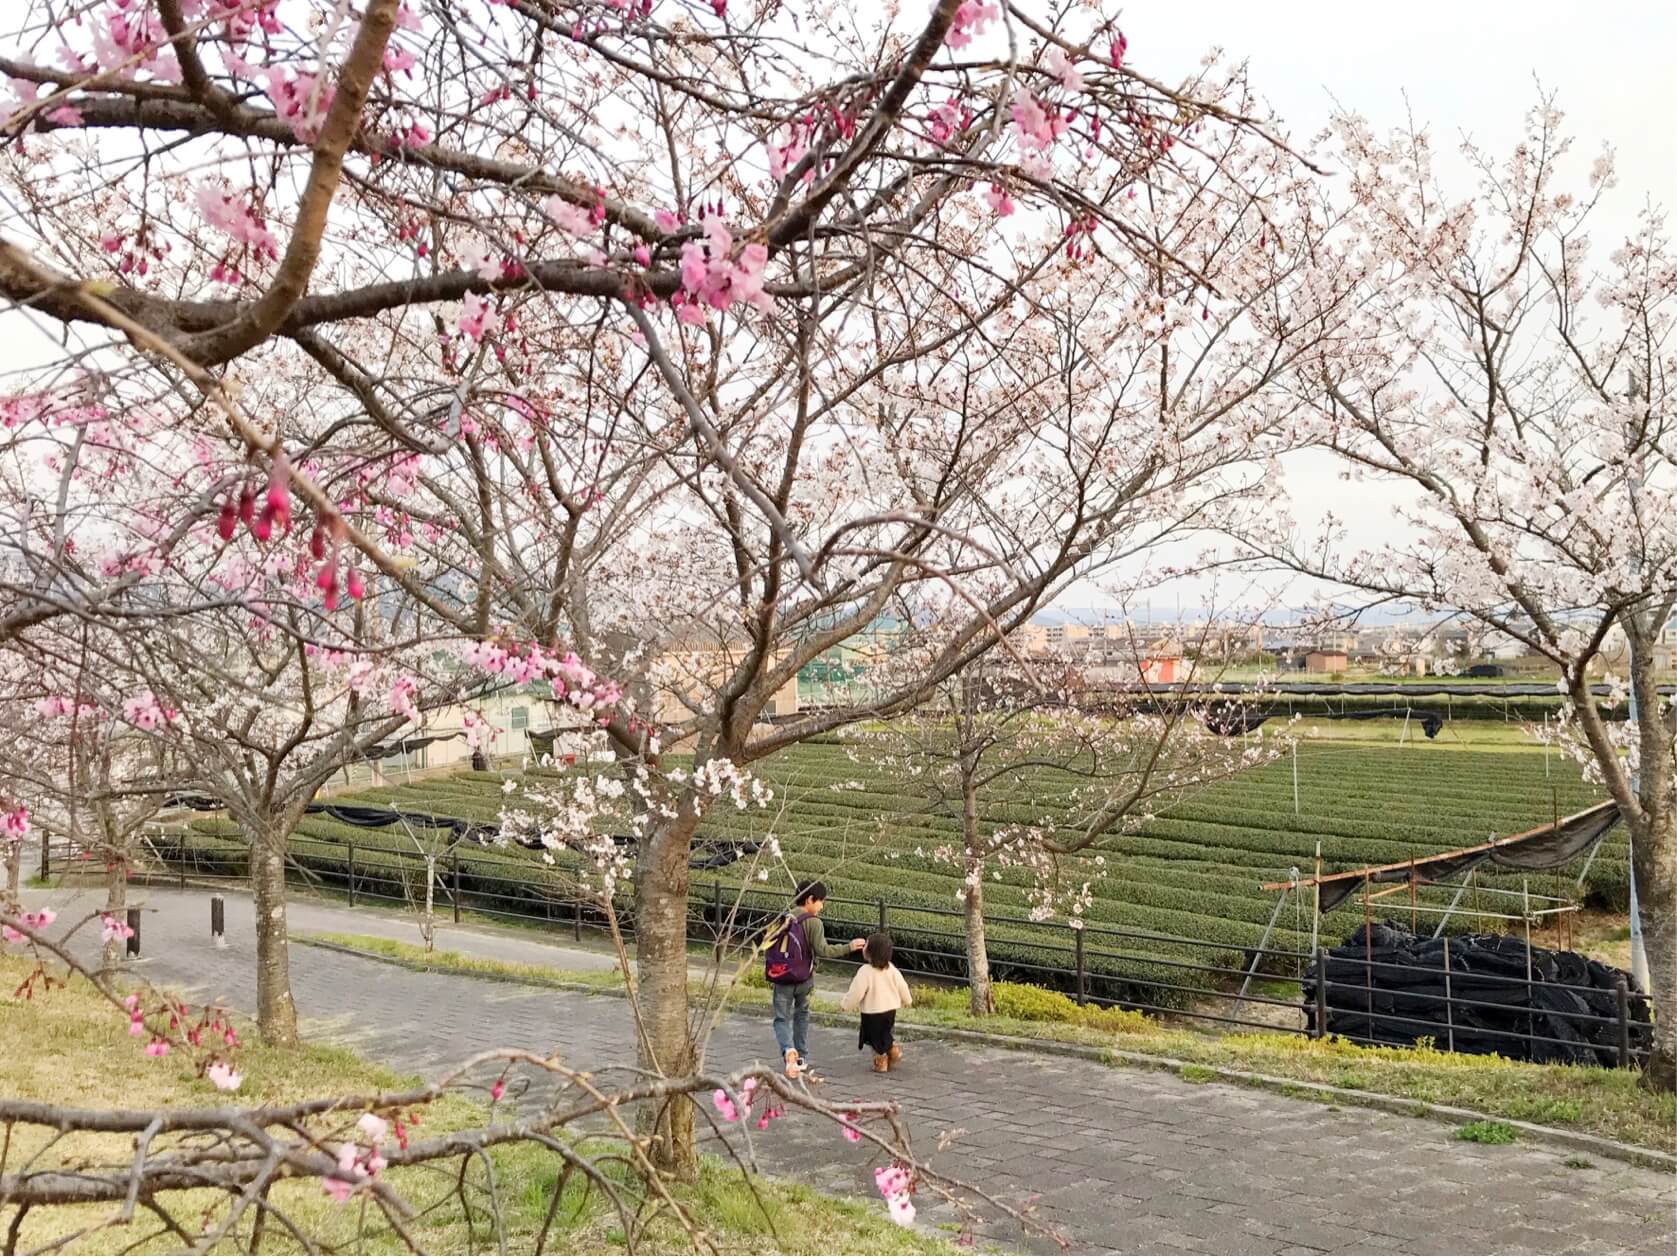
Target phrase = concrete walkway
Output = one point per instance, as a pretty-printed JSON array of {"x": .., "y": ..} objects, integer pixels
[{"x": 1121, "y": 1160}]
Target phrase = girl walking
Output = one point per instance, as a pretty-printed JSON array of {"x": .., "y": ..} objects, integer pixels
[{"x": 877, "y": 991}]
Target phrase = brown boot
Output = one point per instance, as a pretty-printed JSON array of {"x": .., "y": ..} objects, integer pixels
[
  {"x": 894, "y": 1056},
  {"x": 881, "y": 1064}
]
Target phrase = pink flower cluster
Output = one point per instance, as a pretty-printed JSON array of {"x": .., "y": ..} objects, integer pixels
[
  {"x": 574, "y": 682},
  {"x": 896, "y": 1184},
  {"x": 223, "y": 1076},
  {"x": 477, "y": 318},
  {"x": 731, "y": 1112},
  {"x": 358, "y": 1162},
  {"x": 786, "y": 153},
  {"x": 402, "y": 696},
  {"x": 710, "y": 277},
  {"x": 113, "y": 930},
  {"x": 950, "y": 119},
  {"x": 969, "y": 20},
  {"x": 1035, "y": 125},
  {"x": 14, "y": 825},
  {"x": 34, "y": 920},
  {"x": 327, "y": 579},
  {"x": 301, "y": 100},
  {"x": 234, "y": 217},
  {"x": 146, "y": 713},
  {"x": 276, "y": 506}
]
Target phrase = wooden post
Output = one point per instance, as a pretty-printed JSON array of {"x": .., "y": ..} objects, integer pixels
[
  {"x": 351, "y": 879},
  {"x": 455, "y": 874},
  {"x": 46, "y": 857},
  {"x": 134, "y": 932},
  {"x": 218, "y": 920},
  {"x": 1622, "y": 992},
  {"x": 576, "y": 918},
  {"x": 1320, "y": 1029},
  {"x": 1296, "y": 778},
  {"x": 1082, "y": 979},
  {"x": 881, "y": 916}
]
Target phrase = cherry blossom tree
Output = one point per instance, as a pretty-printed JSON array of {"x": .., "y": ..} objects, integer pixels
[
  {"x": 637, "y": 330},
  {"x": 987, "y": 743},
  {"x": 1516, "y": 378}
]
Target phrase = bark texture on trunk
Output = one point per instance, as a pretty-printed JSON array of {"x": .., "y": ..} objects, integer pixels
[
  {"x": 1655, "y": 854},
  {"x": 666, "y": 1045},
  {"x": 983, "y": 1001},
  {"x": 116, "y": 905},
  {"x": 276, "y": 1013}
]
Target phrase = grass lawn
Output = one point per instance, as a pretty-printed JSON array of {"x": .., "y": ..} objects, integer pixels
[
  {"x": 70, "y": 1046},
  {"x": 1606, "y": 1102}
]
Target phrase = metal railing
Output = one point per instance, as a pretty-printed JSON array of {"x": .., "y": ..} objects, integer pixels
[{"x": 1096, "y": 965}]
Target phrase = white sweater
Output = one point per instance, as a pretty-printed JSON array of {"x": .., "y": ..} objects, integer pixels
[{"x": 876, "y": 991}]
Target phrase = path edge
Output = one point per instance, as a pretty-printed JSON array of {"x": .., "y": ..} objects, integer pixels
[{"x": 1578, "y": 1141}]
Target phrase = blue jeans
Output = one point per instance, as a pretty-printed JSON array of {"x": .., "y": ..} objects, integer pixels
[{"x": 791, "y": 1016}]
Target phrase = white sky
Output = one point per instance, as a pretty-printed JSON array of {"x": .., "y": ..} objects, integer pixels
[{"x": 1465, "y": 66}]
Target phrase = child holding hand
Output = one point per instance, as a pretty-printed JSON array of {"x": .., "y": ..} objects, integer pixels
[{"x": 877, "y": 991}]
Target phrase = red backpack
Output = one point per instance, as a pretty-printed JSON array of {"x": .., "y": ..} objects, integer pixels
[{"x": 786, "y": 958}]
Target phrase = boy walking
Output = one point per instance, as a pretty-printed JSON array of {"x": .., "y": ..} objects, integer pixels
[{"x": 791, "y": 954}]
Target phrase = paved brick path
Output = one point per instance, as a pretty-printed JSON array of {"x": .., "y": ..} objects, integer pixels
[{"x": 1123, "y": 1160}]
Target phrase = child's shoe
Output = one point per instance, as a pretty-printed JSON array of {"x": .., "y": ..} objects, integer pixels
[
  {"x": 792, "y": 1067},
  {"x": 894, "y": 1056},
  {"x": 881, "y": 1064}
]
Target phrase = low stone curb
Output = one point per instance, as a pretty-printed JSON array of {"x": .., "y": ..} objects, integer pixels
[{"x": 1324, "y": 1092}]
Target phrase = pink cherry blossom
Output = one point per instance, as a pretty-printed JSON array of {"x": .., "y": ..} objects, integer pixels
[
  {"x": 999, "y": 201},
  {"x": 1060, "y": 66},
  {"x": 372, "y": 1126},
  {"x": 157, "y": 1047},
  {"x": 14, "y": 825},
  {"x": 232, "y": 215},
  {"x": 969, "y": 20},
  {"x": 902, "y": 1210},
  {"x": 223, "y": 1076},
  {"x": 113, "y": 930},
  {"x": 1034, "y": 125},
  {"x": 402, "y": 696},
  {"x": 477, "y": 318},
  {"x": 724, "y": 1105},
  {"x": 570, "y": 218}
]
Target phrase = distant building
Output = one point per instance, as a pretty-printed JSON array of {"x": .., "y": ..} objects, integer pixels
[{"x": 1326, "y": 661}]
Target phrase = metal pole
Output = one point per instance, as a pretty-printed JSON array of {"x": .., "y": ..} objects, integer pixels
[
  {"x": 1316, "y": 905},
  {"x": 1449, "y": 1002},
  {"x": 351, "y": 874},
  {"x": 46, "y": 858},
  {"x": 134, "y": 932},
  {"x": 456, "y": 876},
  {"x": 1460, "y": 891},
  {"x": 218, "y": 920},
  {"x": 1257, "y": 956}
]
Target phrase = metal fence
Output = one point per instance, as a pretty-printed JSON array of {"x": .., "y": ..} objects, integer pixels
[{"x": 1101, "y": 966}]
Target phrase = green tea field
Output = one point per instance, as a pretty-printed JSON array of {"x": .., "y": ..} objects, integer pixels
[{"x": 1190, "y": 877}]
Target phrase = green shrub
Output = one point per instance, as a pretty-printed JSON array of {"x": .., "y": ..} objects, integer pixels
[{"x": 1487, "y": 1133}]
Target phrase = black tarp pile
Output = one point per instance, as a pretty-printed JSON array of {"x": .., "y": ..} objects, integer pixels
[
  {"x": 1232, "y": 719},
  {"x": 1567, "y": 1014}
]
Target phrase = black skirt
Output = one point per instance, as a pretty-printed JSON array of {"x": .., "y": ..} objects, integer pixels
[{"x": 876, "y": 1032}]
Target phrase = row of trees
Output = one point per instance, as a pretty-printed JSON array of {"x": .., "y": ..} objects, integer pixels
[{"x": 384, "y": 353}]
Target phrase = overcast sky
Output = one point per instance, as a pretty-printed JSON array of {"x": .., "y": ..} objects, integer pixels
[{"x": 1467, "y": 66}]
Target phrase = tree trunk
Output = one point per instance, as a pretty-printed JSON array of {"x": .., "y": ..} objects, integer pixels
[
  {"x": 116, "y": 905},
  {"x": 10, "y": 899},
  {"x": 666, "y": 1045},
  {"x": 978, "y": 957},
  {"x": 1655, "y": 855},
  {"x": 276, "y": 1014}
]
